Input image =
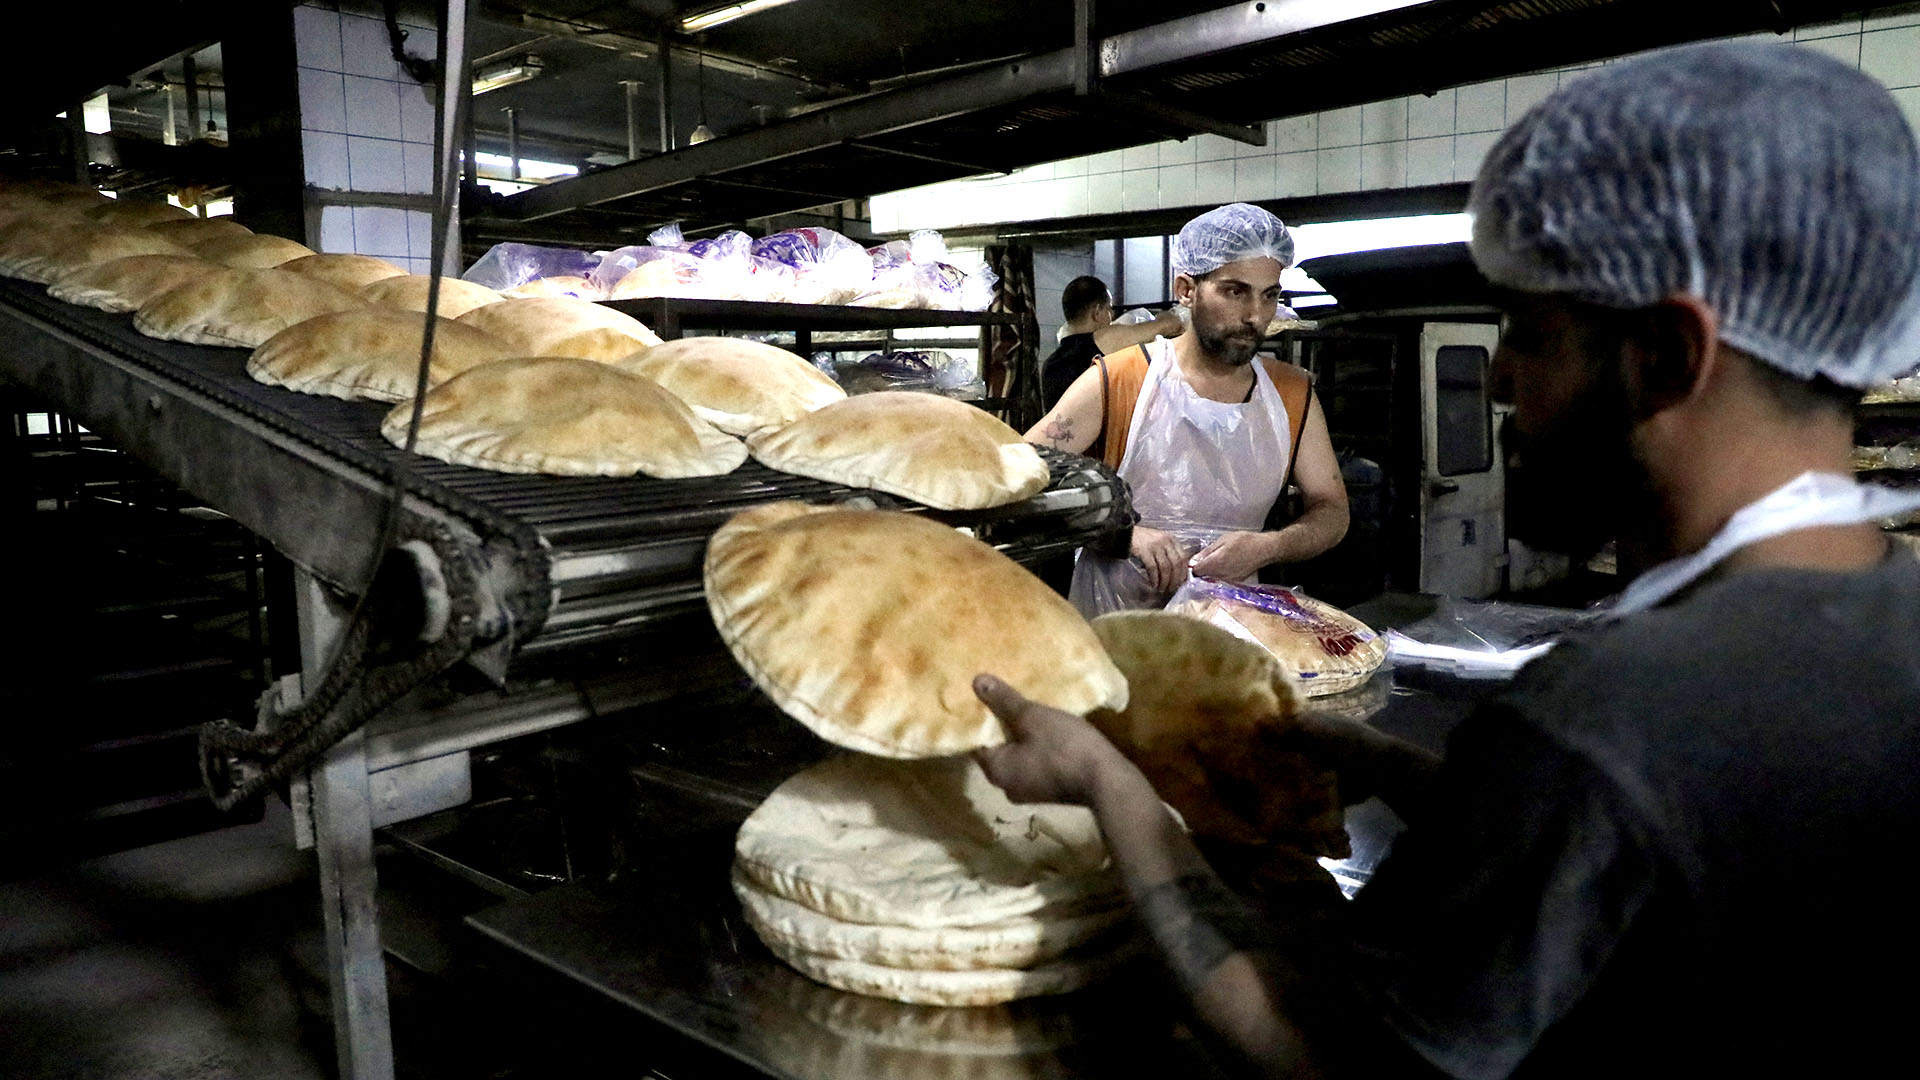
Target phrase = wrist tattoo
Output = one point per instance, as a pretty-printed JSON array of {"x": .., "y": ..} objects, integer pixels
[{"x": 1198, "y": 922}]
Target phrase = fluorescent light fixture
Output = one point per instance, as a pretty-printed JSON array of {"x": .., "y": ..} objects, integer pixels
[
  {"x": 1295, "y": 280},
  {"x": 1319, "y": 300},
  {"x": 529, "y": 168},
  {"x": 508, "y": 74},
  {"x": 720, "y": 16},
  {"x": 1371, "y": 234}
]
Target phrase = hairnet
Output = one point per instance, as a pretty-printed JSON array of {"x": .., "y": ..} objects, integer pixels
[
  {"x": 1228, "y": 234},
  {"x": 1777, "y": 184}
]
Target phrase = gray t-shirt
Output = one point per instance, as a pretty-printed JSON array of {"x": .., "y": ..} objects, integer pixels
[{"x": 1676, "y": 843}]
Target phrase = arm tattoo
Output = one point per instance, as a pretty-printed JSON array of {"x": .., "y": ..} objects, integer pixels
[
  {"x": 1059, "y": 431},
  {"x": 1197, "y": 922}
]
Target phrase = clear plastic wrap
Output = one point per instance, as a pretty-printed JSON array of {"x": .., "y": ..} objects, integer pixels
[
  {"x": 510, "y": 267},
  {"x": 641, "y": 271},
  {"x": 827, "y": 267},
  {"x": 1482, "y": 639},
  {"x": 917, "y": 273},
  {"x": 931, "y": 371},
  {"x": 1324, "y": 648}
]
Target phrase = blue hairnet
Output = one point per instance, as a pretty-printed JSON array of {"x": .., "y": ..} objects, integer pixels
[
  {"x": 1228, "y": 234},
  {"x": 1777, "y": 184}
]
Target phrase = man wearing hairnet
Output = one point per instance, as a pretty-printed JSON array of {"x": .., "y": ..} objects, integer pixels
[
  {"x": 1671, "y": 845},
  {"x": 1206, "y": 439}
]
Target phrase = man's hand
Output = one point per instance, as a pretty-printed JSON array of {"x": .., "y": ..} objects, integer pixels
[
  {"x": 1169, "y": 324},
  {"x": 1163, "y": 556},
  {"x": 1050, "y": 756},
  {"x": 1368, "y": 761},
  {"x": 1235, "y": 556}
]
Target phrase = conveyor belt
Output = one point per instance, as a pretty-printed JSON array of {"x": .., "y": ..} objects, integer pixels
[{"x": 580, "y": 560}]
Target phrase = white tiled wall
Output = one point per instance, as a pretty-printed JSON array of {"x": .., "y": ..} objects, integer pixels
[
  {"x": 366, "y": 126},
  {"x": 1382, "y": 145}
]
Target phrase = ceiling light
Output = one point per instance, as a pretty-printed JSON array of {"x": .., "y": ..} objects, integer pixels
[
  {"x": 701, "y": 133},
  {"x": 517, "y": 71},
  {"x": 719, "y": 16}
]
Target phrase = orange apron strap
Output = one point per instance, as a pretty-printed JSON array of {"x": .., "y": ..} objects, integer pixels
[
  {"x": 1296, "y": 393},
  {"x": 1121, "y": 377}
]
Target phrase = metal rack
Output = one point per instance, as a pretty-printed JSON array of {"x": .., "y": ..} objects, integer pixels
[{"x": 587, "y": 590}]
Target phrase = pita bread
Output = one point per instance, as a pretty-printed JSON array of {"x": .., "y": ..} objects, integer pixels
[
  {"x": 238, "y": 307},
  {"x": 253, "y": 251},
  {"x": 566, "y": 417},
  {"x": 566, "y": 285},
  {"x": 61, "y": 251},
  {"x": 409, "y": 293},
  {"x": 133, "y": 215},
  {"x": 121, "y": 285},
  {"x": 346, "y": 271},
  {"x": 738, "y": 386},
  {"x": 868, "y": 626},
  {"x": 933, "y": 450},
  {"x": 195, "y": 230},
  {"x": 1019, "y": 942},
  {"x": 984, "y": 986},
  {"x": 1325, "y": 650},
  {"x": 556, "y": 326},
  {"x": 369, "y": 353},
  {"x": 1203, "y": 708},
  {"x": 922, "y": 844}
]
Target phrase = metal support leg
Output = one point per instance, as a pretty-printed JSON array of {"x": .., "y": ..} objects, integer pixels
[{"x": 343, "y": 838}]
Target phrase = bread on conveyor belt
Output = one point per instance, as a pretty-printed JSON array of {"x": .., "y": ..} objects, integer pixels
[
  {"x": 134, "y": 215},
  {"x": 346, "y": 271},
  {"x": 122, "y": 285},
  {"x": 48, "y": 255},
  {"x": 409, "y": 293},
  {"x": 566, "y": 417},
  {"x": 192, "y": 231},
  {"x": 239, "y": 307},
  {"x": 739, "y": 386},
  {"x": 931, "y": 449},
  {"x": 1204, "y": 709},
  {"x": 254, "y": 251},
  {"x": 556, "y": 326},
  {"x": 868, "y": 626},
  {"x": 369, "y": 353}
]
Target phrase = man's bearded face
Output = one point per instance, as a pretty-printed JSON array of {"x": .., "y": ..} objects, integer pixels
[
  {"x": 1232, "y": 307},
  {"x": 1575, "y": 482}
]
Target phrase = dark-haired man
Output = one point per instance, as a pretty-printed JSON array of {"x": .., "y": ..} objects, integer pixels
[{"x": 1091, "y": 332}]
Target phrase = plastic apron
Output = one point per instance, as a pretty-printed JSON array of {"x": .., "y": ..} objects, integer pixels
[
  {"x": 1810, "y": 500},
  {"x": 1197, "y": 469}
]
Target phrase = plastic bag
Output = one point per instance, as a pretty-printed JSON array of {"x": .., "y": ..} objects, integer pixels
[
  {"x": 1323, "y": 648},
  {"x": 632, "y": 273},
  {"x": 827, "y": 268},
  {"x": 930, "y": 371},
  {"x": 507, "y": 267},
  {"x": 1482, "y": 639}
]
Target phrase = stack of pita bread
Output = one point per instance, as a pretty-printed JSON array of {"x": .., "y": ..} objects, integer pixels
[
  {"x": 920, "y": 882},
  {"x": 1325, "y": 650}
]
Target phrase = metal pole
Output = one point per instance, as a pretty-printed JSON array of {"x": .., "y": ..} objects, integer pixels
[
  {"x": 191, "y": 73},
  {"x": 77, "y": 135},
  {"x": 666, "y": 96},
  {"x": 633, "y": 118},
  {"x": 513, "y": 142}
]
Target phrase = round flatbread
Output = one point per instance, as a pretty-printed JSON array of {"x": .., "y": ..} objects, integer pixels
[
  {"x": 238, "y": 307},
  {"x": 56, "y": 252},
  {"x": 409, "y": 293},
  {"x": 1019, "y": 942},
  {"x": 739, "y": 386},
  {"x": 252, "y": 251},
  {"x": 556, "y": 326},
  {"x": 565, "y": 417},
  {"x": 122, "y": 285},
  {"x": 933, "y": 450},
  {"x": 1324, "y": 649},
  {"x": 1204, "y": 708},
  {"x": 869, "y": 626},
  {"x": 346, "y": 271},
  {"x": 571, "y": 286},
  {"x": 985, "y": 986},
  {"x": 193, "y": 230},
  {"x": 923, "y": 844},
  {"x": 369, "y": 353},
  {"x": 133, "y": 215}
]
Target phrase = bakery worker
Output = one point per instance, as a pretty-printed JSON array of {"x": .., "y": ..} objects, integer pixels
[
  {"x": 1091, "y": 332},
  {"x": 1657, "y": 850},
  {"x": 1205, "y": 438}
]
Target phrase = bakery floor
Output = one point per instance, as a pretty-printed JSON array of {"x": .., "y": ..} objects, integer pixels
[{"x": 202, "y": 959}]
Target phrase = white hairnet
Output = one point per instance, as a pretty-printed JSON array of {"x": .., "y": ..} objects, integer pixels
[
  {"x": 1779, "y": 185},
  {"x": 1228, "y": 234}
]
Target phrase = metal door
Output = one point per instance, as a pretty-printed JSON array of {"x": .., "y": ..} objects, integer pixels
[{"x": 1462, "y": 526}]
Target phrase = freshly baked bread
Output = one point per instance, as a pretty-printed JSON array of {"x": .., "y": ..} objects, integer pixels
[
  {"x": 981, "y": 986},
  {"x": 121, "y": 285},
  {"x": 565, "y": 417},
  {"x": 933, "y": 450},
  {"x": 370, "y": 353},
  {"x": 556, "y": 326},
  {"x": 739, "y": 386},
  {"x": 346, "y": 271},
  {"x": 928, "y": 845},
  {"x": 132, "y": 215},
  {"x": 571, "y": 286},
  {"x": 238, "y": 307},
  {"x": 252, "y": 251},
  {"x": 193, "y": 230},
  {"x": 1325, "y": 650},
  {"x": 869, "y": 626},
  {"x": 57, "y": 251},
  {"x": 409, "y": 293}
]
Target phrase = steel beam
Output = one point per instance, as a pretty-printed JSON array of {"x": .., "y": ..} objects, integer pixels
[
  {"x": 1176, "y": 122},
  {"x": 1236, "y": 27}
]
